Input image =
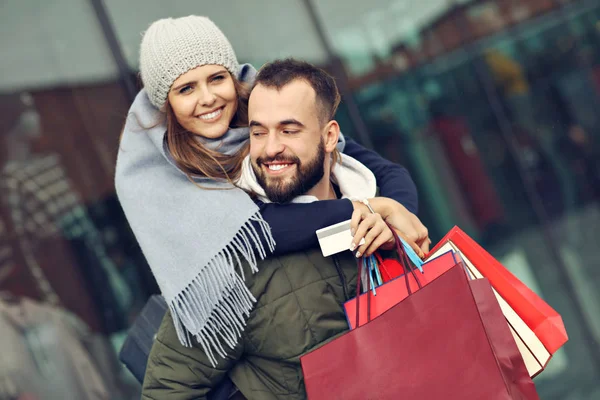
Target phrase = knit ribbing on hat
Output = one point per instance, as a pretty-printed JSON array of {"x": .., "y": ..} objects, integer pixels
[{"x": 173, "y": 46}]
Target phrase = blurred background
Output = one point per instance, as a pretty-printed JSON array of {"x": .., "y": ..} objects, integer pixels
[{"x": 492, "y": 105}]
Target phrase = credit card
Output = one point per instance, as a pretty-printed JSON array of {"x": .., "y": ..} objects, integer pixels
[{"x": 336, "y": 238}]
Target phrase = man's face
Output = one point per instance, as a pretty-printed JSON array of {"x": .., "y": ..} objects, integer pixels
[{"x": 287, "y": 142}]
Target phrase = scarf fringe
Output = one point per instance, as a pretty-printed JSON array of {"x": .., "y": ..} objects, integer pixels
[{"x": 213, "y": 307}]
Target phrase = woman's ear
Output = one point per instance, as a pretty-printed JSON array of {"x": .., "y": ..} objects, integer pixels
[
  {"x": 332, "y": 134},
  {"x": 163, "y": 108}
]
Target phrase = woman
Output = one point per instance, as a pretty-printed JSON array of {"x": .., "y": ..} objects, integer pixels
[{"x": 175, "y": 180}]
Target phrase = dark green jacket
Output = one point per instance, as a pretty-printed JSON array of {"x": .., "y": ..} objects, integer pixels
[{"x": 299, "y": 307}]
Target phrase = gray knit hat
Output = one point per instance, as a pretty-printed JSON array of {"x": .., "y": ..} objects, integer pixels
[{"x": 173, "y": 46}]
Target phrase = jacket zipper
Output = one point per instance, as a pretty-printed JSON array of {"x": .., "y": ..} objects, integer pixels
[{"x": 342, "y": 277}]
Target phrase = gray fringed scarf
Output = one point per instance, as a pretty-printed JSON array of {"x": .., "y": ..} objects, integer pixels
[{"x": 192, "y": 238}]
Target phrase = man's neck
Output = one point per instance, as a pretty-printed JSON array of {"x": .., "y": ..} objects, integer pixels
[{"x": 324, "y": 189}]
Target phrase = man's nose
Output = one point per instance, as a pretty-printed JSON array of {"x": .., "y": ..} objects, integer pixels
[{"x": 273, "y": 146}]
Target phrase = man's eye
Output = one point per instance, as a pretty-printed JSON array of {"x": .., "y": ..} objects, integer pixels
[
  {"x": 185, "y": 89},
  {"x": 258, "y": 133},
  {"x": 289, "y": 132}
]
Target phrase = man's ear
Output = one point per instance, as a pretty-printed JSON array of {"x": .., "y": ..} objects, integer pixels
[{"x": 332, "y": 134}]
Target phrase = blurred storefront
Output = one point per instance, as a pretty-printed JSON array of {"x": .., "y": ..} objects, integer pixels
[{"x": 491, "y": 104}]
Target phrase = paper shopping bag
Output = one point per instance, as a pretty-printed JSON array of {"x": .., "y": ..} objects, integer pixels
[
  {"x": 395, "y": 290},
  {"x": 508, "y": 355},
  {"x": 432, "y": 345},
  {"x": 542, "y": 319}
]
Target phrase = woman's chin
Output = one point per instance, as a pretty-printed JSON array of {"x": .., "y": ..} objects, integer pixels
[{"x": 211, "y": 132}]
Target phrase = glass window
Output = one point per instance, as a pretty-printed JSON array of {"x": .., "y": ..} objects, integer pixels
[
  {"x": 490, "y": 106},
  {"x": 63, "y": 239},
  {"x": 258, "y": 31}
]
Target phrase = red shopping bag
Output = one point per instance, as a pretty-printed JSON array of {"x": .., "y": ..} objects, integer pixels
[
  {"x": 432, "y": 345},
  {"x": 396, "y": 290},
  {"x": 542, "y": 319},
  {"x": 532, "y": 349},
  {"x": 389, "y": 268},
  {"x": 507, "y": 353}
]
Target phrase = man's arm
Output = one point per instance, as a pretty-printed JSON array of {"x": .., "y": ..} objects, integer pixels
[
  {"x": 393, "y": 180},
  {"x": 181, "y": 373}
]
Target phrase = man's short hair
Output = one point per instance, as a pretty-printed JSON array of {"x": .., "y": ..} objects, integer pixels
[{"x": 279, "y": 73}]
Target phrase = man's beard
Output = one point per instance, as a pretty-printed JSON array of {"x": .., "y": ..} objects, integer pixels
[{"x": 306, "y": 177}]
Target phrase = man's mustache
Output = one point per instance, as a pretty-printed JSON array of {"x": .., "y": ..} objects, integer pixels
[{"x": 278, "y": 158}]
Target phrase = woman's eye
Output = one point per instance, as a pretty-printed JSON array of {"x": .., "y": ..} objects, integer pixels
[
  {"x": 218, "y": 78},
  {"x": 185, "y": 89}
]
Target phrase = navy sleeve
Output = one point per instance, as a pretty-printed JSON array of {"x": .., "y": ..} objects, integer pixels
[
  {"x": 293, "y": 225},
  {"x": 393, "y": 180}
]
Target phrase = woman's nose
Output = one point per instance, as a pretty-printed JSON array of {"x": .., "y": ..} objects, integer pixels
[{"x": 206, "y": 97}]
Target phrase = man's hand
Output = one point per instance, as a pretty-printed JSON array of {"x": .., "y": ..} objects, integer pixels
[{"x": 406, "y": 224}]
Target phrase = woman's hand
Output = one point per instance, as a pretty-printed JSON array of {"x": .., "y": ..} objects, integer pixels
[
  {"x": 405, "y": 223},
  {"x": 376, "y": 233}
]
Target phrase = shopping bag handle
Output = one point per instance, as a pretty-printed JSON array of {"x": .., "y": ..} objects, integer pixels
[
  {"x": 360, "y": 269},
  {"x": 406, "y": 268},
  {"x": 380, "y": 263}
]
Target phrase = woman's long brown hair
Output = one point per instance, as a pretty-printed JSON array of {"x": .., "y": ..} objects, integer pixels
[{"x": 194, "y": 159}]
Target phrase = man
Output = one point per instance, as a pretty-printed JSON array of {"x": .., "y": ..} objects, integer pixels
[
  {"x": 288, "y": 129},
  {"x": 299, "y": 296}
]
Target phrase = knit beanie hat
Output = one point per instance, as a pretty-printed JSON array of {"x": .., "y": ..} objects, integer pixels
[{"x": 173, "y": 46}]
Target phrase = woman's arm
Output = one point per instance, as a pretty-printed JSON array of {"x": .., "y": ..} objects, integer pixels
[
  {"x": 393, "y": 180},
  {"x": 399, "y": 201},
  {"x": 293, "y": 225}
]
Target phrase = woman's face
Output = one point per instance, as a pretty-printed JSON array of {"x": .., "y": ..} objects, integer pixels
[{"x": 204, "y": 100}]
